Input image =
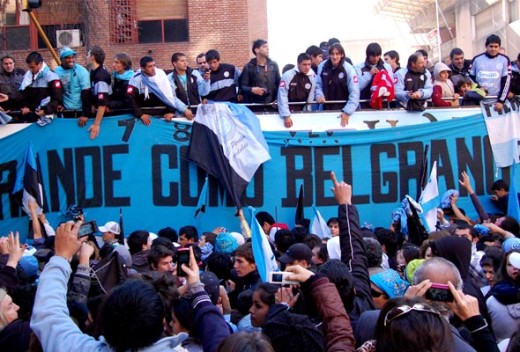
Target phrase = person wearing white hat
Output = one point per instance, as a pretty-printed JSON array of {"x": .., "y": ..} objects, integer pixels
[
  {"x": 111, "y": 232},
  {"x": 504, "y": 303}
]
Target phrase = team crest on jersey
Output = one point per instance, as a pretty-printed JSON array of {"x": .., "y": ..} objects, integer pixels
[
  {"x": 341, "y": 75},
  {"x": 226, "y": 74},
  {"x": 282, "y": 84},
  {"x": 421, "y": 78},
  {"x": 355, "y": 79},
  {"x": 307, "y": 86}
]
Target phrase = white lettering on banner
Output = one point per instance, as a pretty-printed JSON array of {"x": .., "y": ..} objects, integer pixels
[{"x": 488, "y": 74}]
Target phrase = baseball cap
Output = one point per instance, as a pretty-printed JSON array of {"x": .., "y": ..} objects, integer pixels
[
  {"x": 297, "y": 251},
  {"x": 65, "y": 52},
  {"x": 110, "y": 226},
  {"x": 514, "y": 259}
]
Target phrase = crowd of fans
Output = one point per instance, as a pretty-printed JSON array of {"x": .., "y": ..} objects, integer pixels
[{"x": 365, "y": 289}]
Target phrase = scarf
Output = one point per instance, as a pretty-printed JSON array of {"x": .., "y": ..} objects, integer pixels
[
  {"x": 29, "y": 78},
  {"x": 125, "y": 76},
  {"x": 160, "y": 86}
]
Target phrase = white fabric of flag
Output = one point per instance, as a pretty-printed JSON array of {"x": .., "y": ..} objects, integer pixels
[
  {"x": 430, "y": 200},
  {"x": 264, "y": 257},
  {"x": 319, "y": 225}
]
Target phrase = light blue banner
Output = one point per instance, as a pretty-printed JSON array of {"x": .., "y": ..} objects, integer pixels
[{"x": 144, "y": 171}]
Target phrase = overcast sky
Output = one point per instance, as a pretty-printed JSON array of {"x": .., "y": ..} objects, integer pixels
[{"x": 294, "y": 25}]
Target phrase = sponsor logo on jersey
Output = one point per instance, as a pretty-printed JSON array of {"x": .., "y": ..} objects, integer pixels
[{"x": 488, "y": 74}]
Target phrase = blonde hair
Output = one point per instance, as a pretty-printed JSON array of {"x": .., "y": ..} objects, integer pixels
[{"x": 3, "y": 320}]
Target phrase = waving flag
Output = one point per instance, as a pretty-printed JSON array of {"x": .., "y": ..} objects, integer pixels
[
  {"x": 262, "y": 252},
  {"x": 513, "y": 208},
  {"x": 319, "y": 226},
  {"x": 228, "y": 143},
  {"x": 29, "y": 185},
  {"x": 430, "y": 200},
  {"x": 300, "y": 213}
]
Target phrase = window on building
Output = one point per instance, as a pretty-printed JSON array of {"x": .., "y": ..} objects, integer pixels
[
  {"x": 143, "y": 22},
  {"x": 14, "y": 28}
]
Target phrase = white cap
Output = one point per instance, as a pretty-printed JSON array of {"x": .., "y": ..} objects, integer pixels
[
  {"x": 110, "y": 226},
  {"x": 514, "y": 259}
]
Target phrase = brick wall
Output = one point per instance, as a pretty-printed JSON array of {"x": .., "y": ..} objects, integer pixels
[{"x": 229, "y": 26}]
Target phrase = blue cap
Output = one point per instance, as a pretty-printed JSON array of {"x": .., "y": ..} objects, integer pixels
[
  {"x": 390, "y": 282},
  {"x": 66, "y": 52},
  {"x": 29, "y": 265}
]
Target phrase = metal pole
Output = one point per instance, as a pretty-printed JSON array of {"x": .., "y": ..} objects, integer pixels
[
  {"x": 44, "y": 36},
  {"x": 438, "y": 29}
]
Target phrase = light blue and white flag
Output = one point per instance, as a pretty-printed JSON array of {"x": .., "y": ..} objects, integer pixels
[
  {"x": 430, "y": 200},
  {"x": 504, "y": 133},
  {"x": 262, "y": 252},
  {"x": 319, "y": 225},
  {"x": 228, "y": 143},
  {"x": 513, "y": 208}
]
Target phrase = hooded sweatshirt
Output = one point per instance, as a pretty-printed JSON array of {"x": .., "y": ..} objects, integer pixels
[{"x": 442, "y": 89}]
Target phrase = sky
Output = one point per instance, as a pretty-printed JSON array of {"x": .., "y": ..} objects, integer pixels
[{"x": 294, "y": 25}]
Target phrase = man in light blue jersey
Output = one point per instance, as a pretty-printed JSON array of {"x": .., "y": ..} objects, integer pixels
[
  {"x": 76, "y": 85},
  {"x": 492, "y": 71}
]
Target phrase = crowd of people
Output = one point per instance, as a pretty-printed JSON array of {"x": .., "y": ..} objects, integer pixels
[
  {"x": 364, "y": 289},
  {"x": 324, "y": 78}
]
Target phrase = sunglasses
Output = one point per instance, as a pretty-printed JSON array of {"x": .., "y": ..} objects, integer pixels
[{"x": 404, "y": 309}]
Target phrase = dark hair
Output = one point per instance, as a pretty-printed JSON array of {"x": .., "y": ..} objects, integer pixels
[
  {"x": 410, "y": 252},
  {"x": 257, "y": 44},
  {"x": 210, "y": 237},
  {"x": 183, "y": 311},
  {"x": 177, "y": 56},
  {"x": 200, "y": 55},
  {"x": 333, "y": 41},
  {"x": 98, "y": 53},
  {"x": 245, "y": 251},
  {"x": 220, "y": 264},
  {"x": 212, "y": 55},
  {"x": 287, "y": 68},
  {"x": 263, "y": 216},
  {"x": 387, "y": 238},
  {"x": 412, "y": 59},
  {"x": 501, "y": 275},
  {"x": 244, "y": 302},
  {"x": 511, "y": 225},
  {"x": 190, "y": 232},
  {"x": 463, "y": 225},
  {"x": 414, "y": 330},
  {"x": 500, "y": 184},
  {"x": 168, "y": 233},
  {"x": 157, "y": 253},
  {"x": 125, "y": 60},
  {"x": 338, "y": 273},
  {"x": 422, "y": 52},
  {"x": 132, "y": 316},
  {"x": 493, "y": 39},
  {"x": 373, "y": 49},
  {"x": 338, "y": 47},
  {"x": 493, "y": 256},
  {"x": 267, "y": 293},
  {"x": 165, "y": 286},
  {"x": 283, "y": 239},
  {"x": 136, "y": 240},
  {"x": 245, "y": 342},
  {"x": 332, "y": 220},
  {"x": 394, "y": 55},
  {"x": 462, "y": 81},
  {"x": 312, "y": 241},
  {"x": 455, "y": 51},
  {"x": 514, "y": 342},
  {"x": 34, "y": 58},
  {"x": 313, "y": 50},
  {"x": 164, "y": 242},
  {"x": 9, "y": 56},
  {"x": 374, "y": 252},
  {"x": 303, "y": 57},
  {"x": 145, "y": 60}
]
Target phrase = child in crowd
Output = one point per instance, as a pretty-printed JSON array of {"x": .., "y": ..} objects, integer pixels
[
  {"x": 443, "y": 91},
  {"x": 469, "y": 91}
]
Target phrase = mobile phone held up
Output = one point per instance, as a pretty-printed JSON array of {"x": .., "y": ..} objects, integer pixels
[
  {"x": 280, "y": 278},
  {"x": 87, "y": 228},
  {"x": 439, "y": 292},
  {"x": 183, "y": 257}
]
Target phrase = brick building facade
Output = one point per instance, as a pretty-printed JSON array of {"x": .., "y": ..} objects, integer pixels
[{"x": 140, "y": 27}]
